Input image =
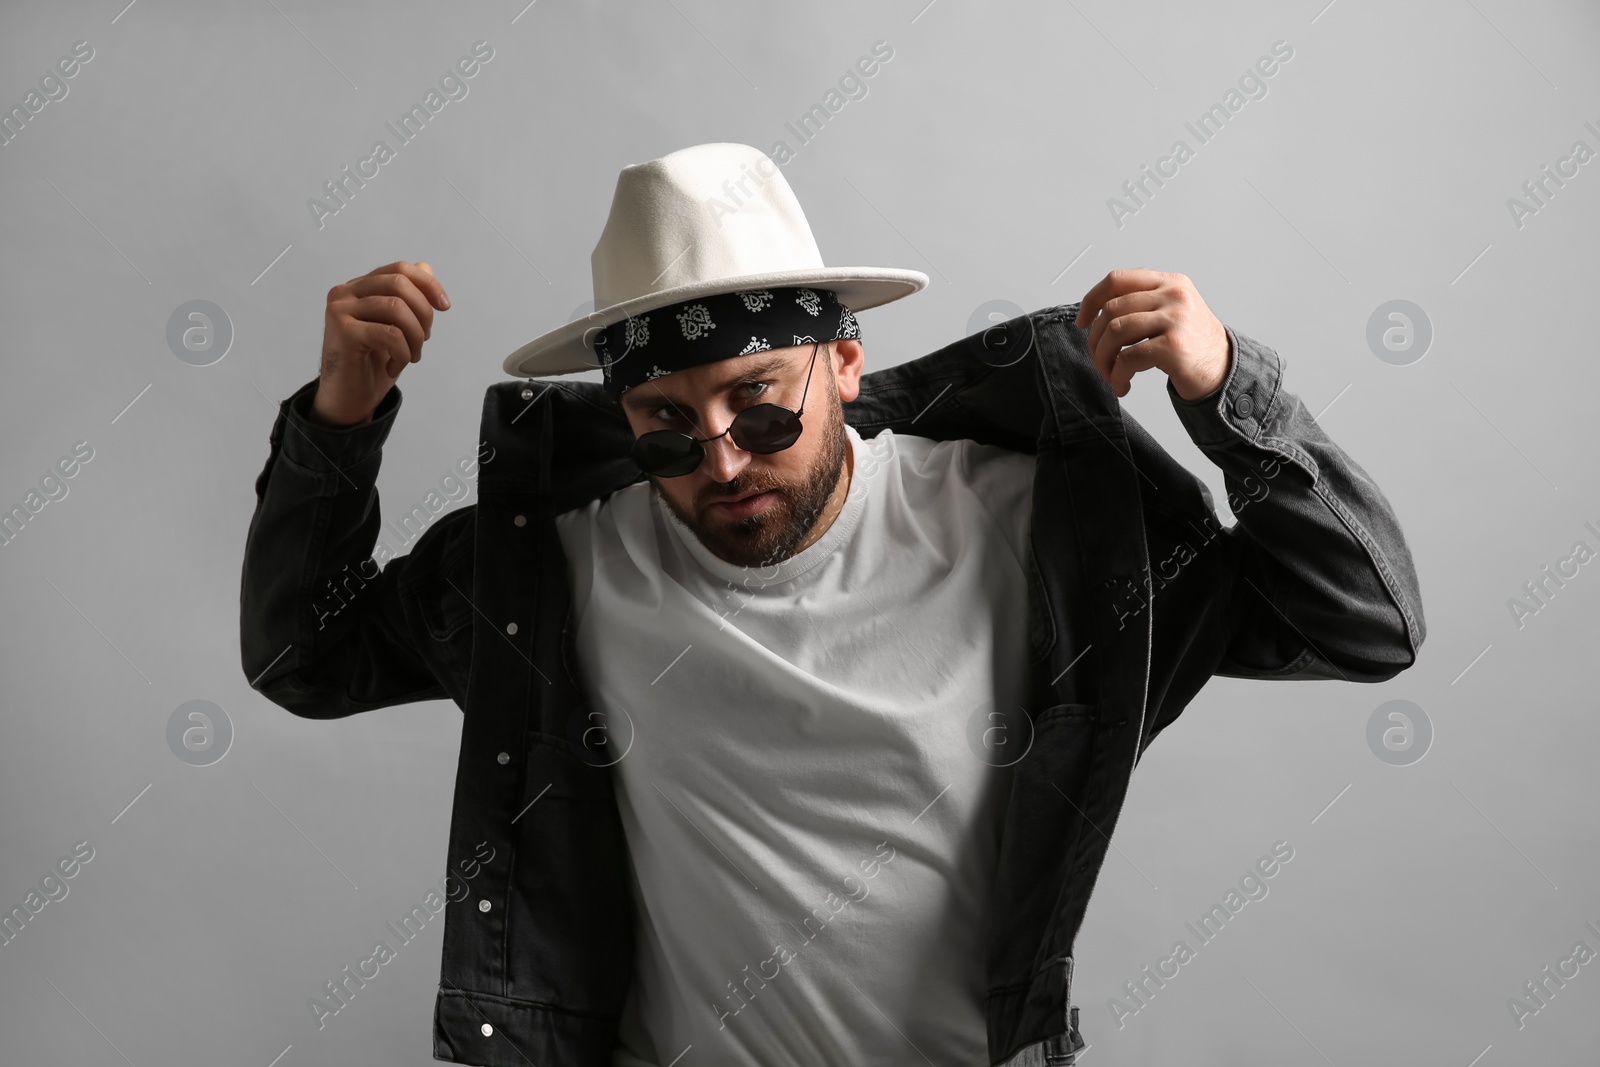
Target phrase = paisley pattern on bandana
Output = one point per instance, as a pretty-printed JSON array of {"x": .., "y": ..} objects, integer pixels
[
  {"x": 714, "y": 328},
  {"x": 638, "y": 332},
  {"x": 695, "y": 320},
  {"x": 847, "y": 323},
  {"x": 756, "y": 299}
]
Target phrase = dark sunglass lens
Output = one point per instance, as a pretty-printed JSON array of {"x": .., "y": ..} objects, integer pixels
[
  {"x": 766, "y": 428},
  {"x": 665, "y": 454}
]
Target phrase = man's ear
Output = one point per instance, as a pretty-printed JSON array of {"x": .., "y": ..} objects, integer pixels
[{"x": 848, "y": 364}]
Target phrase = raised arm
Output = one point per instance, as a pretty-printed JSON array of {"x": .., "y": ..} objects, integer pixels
[
  {"x": 1319, "y": 579},
  {"x": 324, "y": 631},
  {"x": 1315, "y": 579}
]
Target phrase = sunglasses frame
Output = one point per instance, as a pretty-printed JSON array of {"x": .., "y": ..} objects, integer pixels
[{"x": 690, "y": 461}]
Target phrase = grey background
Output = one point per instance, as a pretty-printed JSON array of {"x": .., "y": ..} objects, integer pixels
[{"x": 1377, "y": 167}]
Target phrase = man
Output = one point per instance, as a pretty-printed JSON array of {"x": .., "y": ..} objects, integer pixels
[{"x": 804, "y": 745}]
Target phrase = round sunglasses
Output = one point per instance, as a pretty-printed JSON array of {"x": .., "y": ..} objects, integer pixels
[{"x": 761, "y": 428}]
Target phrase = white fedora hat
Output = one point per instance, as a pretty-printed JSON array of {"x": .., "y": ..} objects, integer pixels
[{"x": 711, "y": 218}]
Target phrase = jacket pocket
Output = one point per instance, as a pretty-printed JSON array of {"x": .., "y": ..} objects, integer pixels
[
  {"x": 445, "y": 611},
  {"x": 1043, "y": 832},
  {"x": 570, "y": 772},
  {"x": 569, "y": 934},
  {"x": 1062, "y": 734}
]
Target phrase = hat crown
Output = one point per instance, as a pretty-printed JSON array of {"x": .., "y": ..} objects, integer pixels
[
  {"x": 706, "y": 212},
  {"x": 707, "y": 219}
]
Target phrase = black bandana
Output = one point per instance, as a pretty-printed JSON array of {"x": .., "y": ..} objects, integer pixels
[{"x": 709, "y": 328}]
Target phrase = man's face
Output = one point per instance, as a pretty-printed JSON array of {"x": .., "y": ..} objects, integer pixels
[{"x": 800, "y": 481}]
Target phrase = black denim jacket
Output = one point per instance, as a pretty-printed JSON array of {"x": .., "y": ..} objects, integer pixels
[{"x": 1138, "y": 595}]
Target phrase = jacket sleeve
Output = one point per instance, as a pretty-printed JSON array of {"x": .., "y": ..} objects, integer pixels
[
  {"x": 1318, "y": 579},
  {"x": 323, "y": 632}
]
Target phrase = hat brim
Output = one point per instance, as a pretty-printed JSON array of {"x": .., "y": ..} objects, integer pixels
[{"x": 568, "y": 349}]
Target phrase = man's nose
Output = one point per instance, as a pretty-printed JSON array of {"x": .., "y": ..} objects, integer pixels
[{"x": 724, "y": 459}]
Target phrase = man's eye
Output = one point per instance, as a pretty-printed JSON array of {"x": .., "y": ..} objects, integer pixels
[{"x": 669, "y": 414}]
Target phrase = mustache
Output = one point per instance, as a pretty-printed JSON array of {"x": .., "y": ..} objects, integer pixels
[{"x": 731, "y": 489}]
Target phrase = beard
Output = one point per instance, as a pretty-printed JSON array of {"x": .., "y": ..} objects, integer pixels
[{"x": 773, "y": 535}]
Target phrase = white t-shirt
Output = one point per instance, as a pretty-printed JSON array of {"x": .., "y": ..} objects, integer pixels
[{"x": 811, "y": 832}]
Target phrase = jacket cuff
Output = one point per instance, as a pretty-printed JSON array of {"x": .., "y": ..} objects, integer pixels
[
  {"x": 323, "y": 449},
  {"x": 1239, "y": 407}
]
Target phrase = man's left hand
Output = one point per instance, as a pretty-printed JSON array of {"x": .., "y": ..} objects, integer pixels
[{"x": 1147, "y": 318}]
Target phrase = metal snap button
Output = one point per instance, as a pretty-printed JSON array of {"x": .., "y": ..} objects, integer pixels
[
  {"x": 488, "y": 1031},
  {"x": 520, "y": 520},
  {"x": 483, "y": 905},
  {"x": 511, "y": 627},
  {"x": 503, "y": 759},
  {"x": 1243, "y": 406}
]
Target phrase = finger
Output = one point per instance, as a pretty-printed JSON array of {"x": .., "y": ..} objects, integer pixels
[
  {"x": 420, "y": 275},
  {"x": 1127, "y": 303},
  {"x": 1131, "y": 361},
  {"x": 383, "y": 338},
  {"x": 1113, "y": 284},
  {"x": 1094, "y": 300},
  {"x": 394, "y": 310},
  {"x": 432, "y": 287},
  {"x": 1121, "y": 332},
  {"x": 404, "y": 287}
]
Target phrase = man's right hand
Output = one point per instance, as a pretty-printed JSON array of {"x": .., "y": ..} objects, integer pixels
[{"x": 373, "y": 328}]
